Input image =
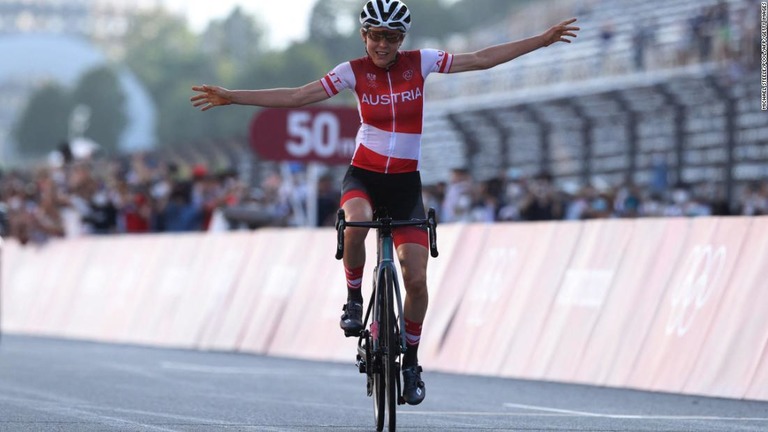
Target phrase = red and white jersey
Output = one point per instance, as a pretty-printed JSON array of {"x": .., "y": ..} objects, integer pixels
[{"x": 391, "y": 106}]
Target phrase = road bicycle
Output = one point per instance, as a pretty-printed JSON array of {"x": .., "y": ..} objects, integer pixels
[{"x": 381, "y": 344}]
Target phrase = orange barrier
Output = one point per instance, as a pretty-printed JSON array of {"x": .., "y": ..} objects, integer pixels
[
  {"x": 687, "y": 309},
  {"x": 275, "y": 284},
  {"x": 538, "y": 287},
  {"x": 174, "y": 270},
  {"x": 218, "y": 264},
  {"x": 640, "y": 279},
  {"x": 674, "y": 305},
  {"x": 727, "y": 364},
  {"x": 479, "y": 324},
  {"x": 757, "y": 389},
  {"x": 64, "y": 264},
  {"x": 91, "y": 290},
  {"x": 230, "y": 259},
  {"x": 17, "y": 283},
  {"x": 309, "y": 325},
  {"x": 445, "y": 298},
  {"x": 583, "y": 292},
  {"x": 228, "y": 325},
  {"x": 140, "y": 287}
]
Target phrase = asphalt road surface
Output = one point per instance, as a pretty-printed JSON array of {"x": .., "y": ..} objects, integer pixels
[{"x": 60, "y": 385}]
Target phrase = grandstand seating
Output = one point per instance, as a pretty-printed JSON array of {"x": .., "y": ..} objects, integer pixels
[{"x": 589, "y": 116}]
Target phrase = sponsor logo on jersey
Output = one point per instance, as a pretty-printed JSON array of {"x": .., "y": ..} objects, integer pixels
[{"x": 408, "y": 74}]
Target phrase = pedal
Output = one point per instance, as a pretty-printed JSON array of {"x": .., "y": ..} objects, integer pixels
[{"x": 352, "y": 334}]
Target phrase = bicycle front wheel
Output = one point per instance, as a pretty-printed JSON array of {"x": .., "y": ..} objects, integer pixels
[
  {"x": 379, "y": 396},
  {"x": 391, "y": 351},
  {"x": 378, "y": 368}
]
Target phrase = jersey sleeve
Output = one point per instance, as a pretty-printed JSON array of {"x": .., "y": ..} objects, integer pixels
[
  {"x": 340, "y": 78},
  {"x": 433, "y": 60}
]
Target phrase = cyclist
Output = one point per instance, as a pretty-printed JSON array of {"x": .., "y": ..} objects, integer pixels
[{"x": 384, "y": 172}]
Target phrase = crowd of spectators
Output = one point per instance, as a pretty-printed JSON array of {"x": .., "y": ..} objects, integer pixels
[
  {"x": 142, "y": 193},
  {"x": 538, "y": 198}
]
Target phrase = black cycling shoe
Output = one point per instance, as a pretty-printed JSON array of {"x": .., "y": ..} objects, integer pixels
[
  {"x": 413, "y": 387},
  {"x": 352, "y": 318}
]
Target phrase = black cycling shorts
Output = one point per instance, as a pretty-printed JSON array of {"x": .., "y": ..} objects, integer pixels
[{"x": 399, "y": 194}]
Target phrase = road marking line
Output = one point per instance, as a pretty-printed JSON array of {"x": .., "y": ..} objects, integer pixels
[
  {"x": 234, "y": 370},
  {"x": 482, "y": 414},
  {"x": 631, "y": 416}
]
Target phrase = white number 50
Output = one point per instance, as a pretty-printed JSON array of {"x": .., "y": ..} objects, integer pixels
[{"x": 320, "y": 134}]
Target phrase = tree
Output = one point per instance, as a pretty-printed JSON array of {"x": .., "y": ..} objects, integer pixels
[
  {"x": 167, "y": 58},
  {"x": 232, "y": 43},
  {"x": 99, "y": 90},
  {"x": 232, "y": 46},
  {"x": 333, "y": 27},
  {"x": 44, "y": 123}
]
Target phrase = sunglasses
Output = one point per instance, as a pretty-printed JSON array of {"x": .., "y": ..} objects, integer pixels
[{"x": 390, "y": 37}]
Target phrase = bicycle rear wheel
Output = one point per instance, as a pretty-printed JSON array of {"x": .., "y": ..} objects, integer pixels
[
  {"x": 386, "y": 371},
  {"x": 379, "y": 398}
]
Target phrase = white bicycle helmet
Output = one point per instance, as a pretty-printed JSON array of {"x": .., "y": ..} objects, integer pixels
[{"x": 392, "y": 14}]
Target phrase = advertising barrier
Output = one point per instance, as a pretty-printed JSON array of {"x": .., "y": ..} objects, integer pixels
[
  {"x": 687, "y": 308},
  {"x": 275, "y": 282},
  {"x": 538, "y": 287},
  {"x": 647, "y": 262},
  {"x": 583, "y": 292},
  {"x": 309, "y": 324},
  {"x": 676, "y": 305},
  {"x": 727, "y": 365},
  {"x": 444, "y": 301}
]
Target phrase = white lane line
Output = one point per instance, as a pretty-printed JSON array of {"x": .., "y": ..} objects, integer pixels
[
  {"x": 232, "y": 370},
  {"x": 193, "y": 420},
  {"x": 631, "y": 416},
  {"x": 552, "y": 410},
  {"x": 482, "y": 414}
]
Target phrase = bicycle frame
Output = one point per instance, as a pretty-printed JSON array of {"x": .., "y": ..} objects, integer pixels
[
  {"x": 386, "y": 262},
  {"x": 385, "y": 253}
]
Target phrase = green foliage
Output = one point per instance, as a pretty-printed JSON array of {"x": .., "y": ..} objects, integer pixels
[
  {"x": 232, "y": 43},
  {"x": 99, "y": 90},
  {"x": 167, "y": 58},
  {"x": 44, "y": 123}
]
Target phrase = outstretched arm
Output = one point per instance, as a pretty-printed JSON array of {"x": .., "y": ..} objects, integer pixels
[
  {"x": 210, "y": 96},
  {"x": 495, "y": 55}
]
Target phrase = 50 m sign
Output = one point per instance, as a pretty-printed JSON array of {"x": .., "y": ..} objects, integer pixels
[{"x": 312, "y": 134}]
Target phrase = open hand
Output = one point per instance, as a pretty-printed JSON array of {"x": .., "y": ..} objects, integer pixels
[
  {"x": 560, "y": 32},
  {"x": 210, "y": 97}
]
